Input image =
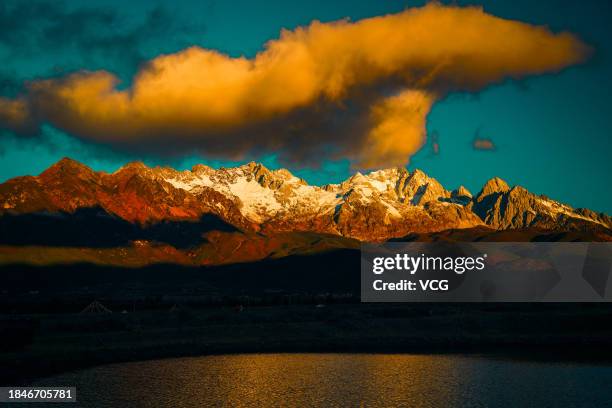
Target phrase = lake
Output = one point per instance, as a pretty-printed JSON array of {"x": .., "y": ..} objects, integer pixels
[{"x": 334, "y": 380}]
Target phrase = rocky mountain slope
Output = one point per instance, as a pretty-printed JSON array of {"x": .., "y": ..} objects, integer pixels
[{"x": 377, "y": 206}]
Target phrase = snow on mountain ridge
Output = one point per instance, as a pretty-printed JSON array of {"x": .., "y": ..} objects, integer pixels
[
  {"x": 264, "y": 193},
  {"x": 373, "y": 206}
]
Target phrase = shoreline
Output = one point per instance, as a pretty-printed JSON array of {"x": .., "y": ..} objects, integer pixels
[
  {"x": 69, "y": 342},
  {"x": 539, "y": 353}
]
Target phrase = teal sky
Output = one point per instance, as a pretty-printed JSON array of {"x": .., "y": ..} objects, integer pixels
[{"x": 553, "y": 134}]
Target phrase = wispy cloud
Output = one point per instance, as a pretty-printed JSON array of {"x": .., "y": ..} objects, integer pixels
[{"x": 483, "y": 143}]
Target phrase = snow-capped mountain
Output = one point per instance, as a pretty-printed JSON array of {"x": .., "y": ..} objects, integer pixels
[{"x": 376, "y": 206}]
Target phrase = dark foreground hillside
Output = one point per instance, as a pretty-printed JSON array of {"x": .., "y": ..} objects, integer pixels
[{"x": 305, "y": 304}]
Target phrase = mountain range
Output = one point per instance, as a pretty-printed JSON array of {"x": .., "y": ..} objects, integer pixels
[{"x": 204, "y": 215}]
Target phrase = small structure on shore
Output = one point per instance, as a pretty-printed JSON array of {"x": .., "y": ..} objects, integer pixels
[
  {"x": 96, "y": 307},
  {"x": 177, "y": 307}
]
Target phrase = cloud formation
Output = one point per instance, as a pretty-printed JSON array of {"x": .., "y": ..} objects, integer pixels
[
  {"x": 483, "y": 144},
  {"x": 360, "y": 90},
  {"x": 50, "y": 37}
]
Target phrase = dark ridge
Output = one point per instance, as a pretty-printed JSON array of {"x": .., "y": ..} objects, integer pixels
[
  {"x": 333, "y": 272},
  {"x": 483, "y": 234},
  {"x": 94, "y": 227}
]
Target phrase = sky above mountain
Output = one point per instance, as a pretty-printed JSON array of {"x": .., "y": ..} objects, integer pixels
[{"x": 370, "y": 84}]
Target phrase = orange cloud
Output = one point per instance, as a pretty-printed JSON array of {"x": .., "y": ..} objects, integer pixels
[
  {"x": 483, "y": 144},
  {"x": 361, "y": 90}
]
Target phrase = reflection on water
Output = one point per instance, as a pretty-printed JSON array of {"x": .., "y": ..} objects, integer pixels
[{"x": 372, "y": 380}]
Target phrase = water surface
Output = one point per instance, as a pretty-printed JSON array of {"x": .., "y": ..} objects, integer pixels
[{"x": 340, "y": 380}]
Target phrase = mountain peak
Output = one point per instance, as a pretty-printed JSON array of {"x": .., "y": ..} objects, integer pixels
[
  {"x": 68, "y": 161},
  {"x": 377, "y": 206},
  {"x": 253, "y": 167},
  {"x": 67, "y": 165},
  {"x": 418, "y": 173},
  {"x": 285, "y": 175},
  {"x": 357, "y": 176},
  {"x": 494, "y": 185},
  {"x": 389, "y": 172},
  {"x": 201, "y": 169},
  {"x": 461, "y": 191},
  {"x": 135, "y": 165},
  {"x": 417, "y": 177}
]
